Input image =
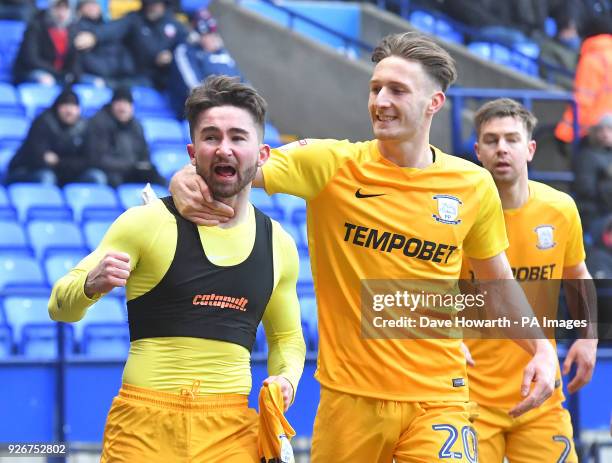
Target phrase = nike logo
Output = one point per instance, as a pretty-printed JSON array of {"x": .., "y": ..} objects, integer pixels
[{"x": 359, "y": 194}]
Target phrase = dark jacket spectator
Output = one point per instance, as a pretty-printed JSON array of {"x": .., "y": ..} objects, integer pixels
[
  {"x": 51, "y": 152},
  {"x": 116, "y": 145},
  {"x": 203, "y": 56},
  {"x": 151, "y": 34},
  {"x": 47, "y": 54},
  {"x": 107, "y": 60},
  {"x": 593, "y": 168},
  {"x": 599, "y": 257}
]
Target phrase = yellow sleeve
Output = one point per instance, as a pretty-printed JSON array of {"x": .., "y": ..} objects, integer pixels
[
  {"x": 281, "y": 319},
  {"x": 487, "y": 237},
  {"x": 302, "y": 168},
  {"x": 574, "y": 251},
  {"x": 131, "y": 233}
]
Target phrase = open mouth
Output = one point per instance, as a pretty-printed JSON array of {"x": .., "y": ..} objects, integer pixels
[
  {"x": 383, "y": 118},
  {"x": 224, "y": 170}
]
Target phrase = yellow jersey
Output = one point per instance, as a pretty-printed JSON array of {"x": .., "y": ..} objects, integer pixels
[
  {"x": 367, "y": 218},
  {"x": 545, "y": 236},
  {"x": 149, "y": 235}
]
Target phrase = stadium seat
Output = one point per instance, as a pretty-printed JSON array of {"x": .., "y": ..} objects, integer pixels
[
  {"x": 13, "y": 129},
  {"x": 39, "y": 340},
  {"x": 52, "y": 237},
  {"x": 92, "y": 98},
  {"x": 261, "y": 343},
  {"x": 7, "y": 211},
  {"x": 36, "y": 97},
  {"x": 13, "y": 240},
  {"x": 10, "y": 39},
  {"x": 21, "y": 311},
  {"x": 164, "y": 130},
  {"x": 6, "y": 154},
  {"x": 6, "y": 341},
  {"x": 130, "y": 193},
  {"x": 37, "y": 201},
  {"x": 148, "y": 102},
  {"x": 94, "y": 231},
  {"x": 90, "y": 201},
  {"x": 109, "y": 309},
  {"x": 299, "y": 220},
  {"x": 289, "y": 204},
  {"x": 308, "y": 310},
  {"x": 272, "y": 135},
  {"x": 21, "y": 274},
  {"x": 59, "y": 264},
  {"x": 168, "y": 161},
  {"x": 445, "y": 30},
  {"x": 423, "y": 21},
  {"x": 9, "y": 104},
  {"x": 106, "y": 340}
]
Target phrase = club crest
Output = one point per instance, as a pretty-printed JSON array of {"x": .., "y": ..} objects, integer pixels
[
  {"x": 546, "y": 238},
  {"x": 448, "y": 209}
]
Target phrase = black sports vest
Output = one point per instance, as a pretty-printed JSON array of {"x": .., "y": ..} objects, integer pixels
[{"x": 198, "y": 299}]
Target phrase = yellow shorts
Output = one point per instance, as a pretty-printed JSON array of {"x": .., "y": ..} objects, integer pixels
[
  {"x": 144, "y": 425},
  {"x": 540, "y": 435},
  {"x": 354, "y": 429}
]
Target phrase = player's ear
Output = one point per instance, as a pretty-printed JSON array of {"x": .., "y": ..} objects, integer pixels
[
  {"x": 437, "y": 101},
  {"x": 191, "y": 152},
  {"x": 476, "y": 150},
  {"x": 264, "y": 154},
  {"x": 531, "y": 146}
]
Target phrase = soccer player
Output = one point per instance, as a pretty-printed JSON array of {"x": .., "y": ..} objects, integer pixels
[
  {"x": 545, "y": 237},
  {"x": 391, "y": 208},
  {"x": 195, "y": 298}
]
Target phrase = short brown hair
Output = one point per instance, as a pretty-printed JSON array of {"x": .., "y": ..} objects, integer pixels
[
  {"x": 221, "y": 90},
  {"x": 436, "y": 61},
  {"x": 504, "y": 107}
]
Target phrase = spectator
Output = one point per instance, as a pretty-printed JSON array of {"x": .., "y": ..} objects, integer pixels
[
  {"x": 593, "y": 83},
  {"x": 51, "y": 152},
  {"x": 593, "y": 168},
  {"x": 46, "y": 54},
  {"x": 103, "y": 61},
  {"x": 115, "y": 143},
  {"x": 151, "y": 35},
  {"x": 204, "y": 55},
  {"x": 600, "y": 255}
]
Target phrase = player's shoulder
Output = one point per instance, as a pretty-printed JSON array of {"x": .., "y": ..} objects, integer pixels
[
  {"x": 150, "y": 214},
  {"x": 462, "y": 167},
  {"x": 337, "y": 148},
  {"x": 551, "y": 197}
]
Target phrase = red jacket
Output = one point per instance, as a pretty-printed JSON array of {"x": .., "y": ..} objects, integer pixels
[{"x": 593, "y": 87}]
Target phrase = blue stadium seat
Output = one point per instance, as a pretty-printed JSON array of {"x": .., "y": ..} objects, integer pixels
[
  {"x": 168, "y": 161},
  {"x": 21, "y": 274},
  {"x": 272, "y": 135},
  {"x": 9, "y": 104},
  {"x": 129, "y": 193},
  {"x": 109, "y": 309},
  {"x": 106, "y": 340},
  {"x": 289, "y": 204},
  {"x": 93, "y": 231},
  {"x": 7, "y": 211},
  {"x": 13, "y": 129},
  {"x": 299, "y": 219},
  {"x": 10, "y": 39},
  {"x": 37, "y": 201},
  {"x": 149, "y": 102},
  {"x": 164, "y": 130},
  {"x": 446, "y": 31},
  {"x": 423, "y": 21},
  {"x": 308, "y": 310},
  {"x": 6, "y": 154},
  {"x": 13, "y": 240},
  {"x": 52, "y": 237},
  {"x": 60, "y": 264},
  {"x": 36, "y": 97},
  {"x": 21, "y": 311},
  {"x": 482, "y": 49},
  {"x": 6, "y": 341},
  {"x": 92, "y": 98},
  {"x": 39, "y": 340},
  {"x": 261, "y": 343},
  {"x": 90, "y": 201}
]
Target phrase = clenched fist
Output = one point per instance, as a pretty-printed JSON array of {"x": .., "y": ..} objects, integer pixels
[{"x": 112, "y": 271}]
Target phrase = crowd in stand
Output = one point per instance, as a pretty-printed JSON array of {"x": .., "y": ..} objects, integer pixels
[{"x": 148, "y": 47}]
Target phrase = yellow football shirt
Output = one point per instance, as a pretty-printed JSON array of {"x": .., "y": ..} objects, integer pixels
[
  {"x": 149, "y": 234},
  {"x": 545, "y": 236},
  {"x": 368, "y": 218}
]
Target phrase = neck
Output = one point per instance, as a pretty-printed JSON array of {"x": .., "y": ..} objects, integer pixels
[
  {"x": 514, "y": 195},
  {"x": 240, "y": 204},
  {"x": 412, "y": 153}
]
